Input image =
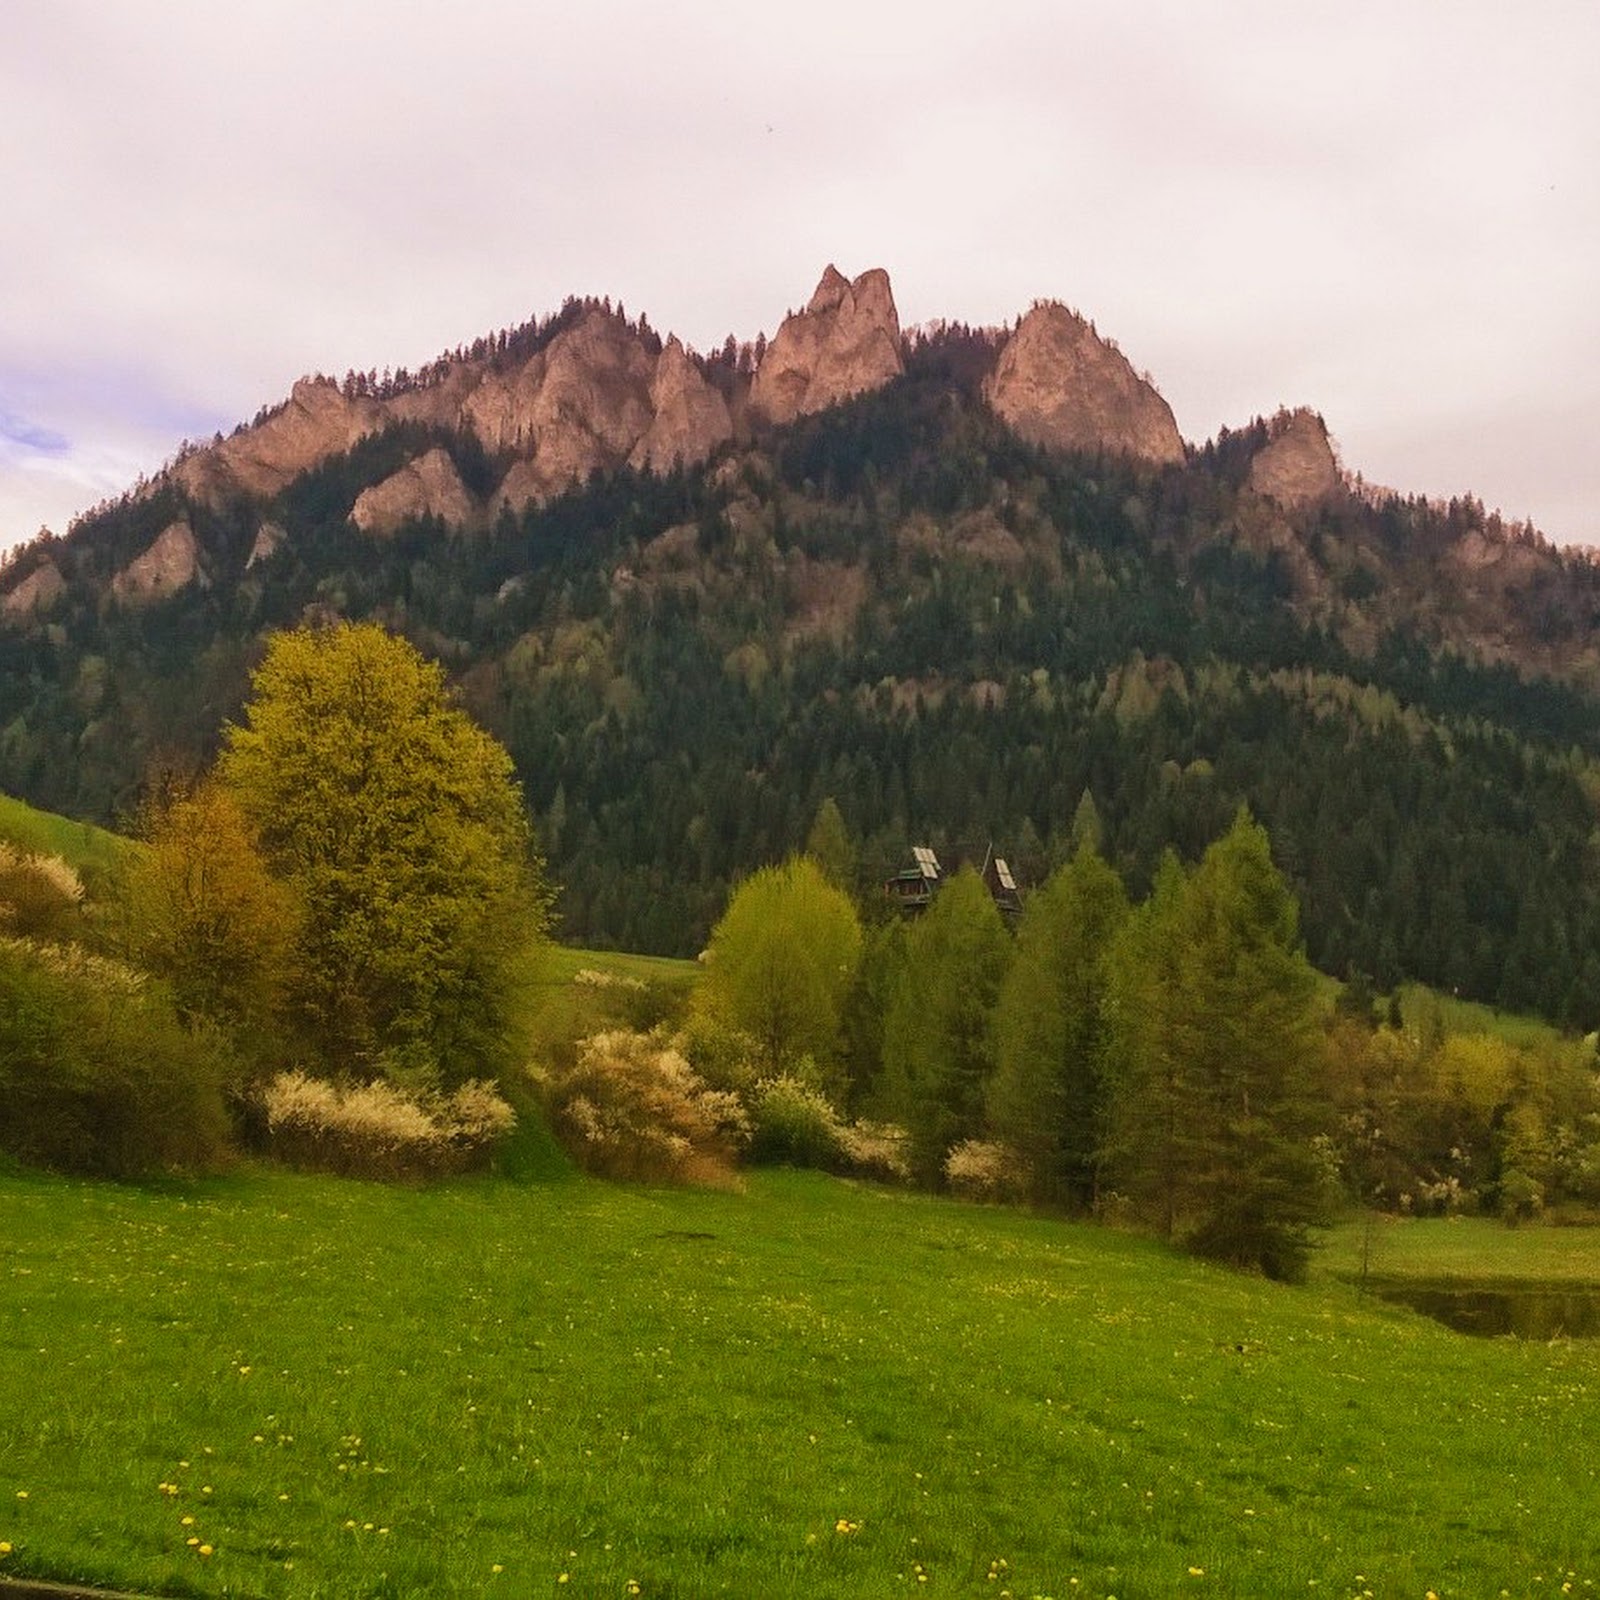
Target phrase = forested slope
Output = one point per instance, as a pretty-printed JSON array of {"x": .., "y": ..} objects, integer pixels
[{"x": 956, "y": 635}]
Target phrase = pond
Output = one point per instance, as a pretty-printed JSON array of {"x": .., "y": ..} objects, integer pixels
[{"x": 1525, "y": 1310}]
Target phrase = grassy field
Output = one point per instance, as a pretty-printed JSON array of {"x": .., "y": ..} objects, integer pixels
[
  {"x": 1465, "y": 1249},
  {"x": 286, "y": 1386},
  {"x": 80, "y": 844}
]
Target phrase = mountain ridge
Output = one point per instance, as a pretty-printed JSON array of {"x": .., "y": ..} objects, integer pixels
[{"x": 955, "y": 626}]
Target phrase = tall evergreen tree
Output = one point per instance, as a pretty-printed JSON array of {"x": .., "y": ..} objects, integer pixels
[
  {"x": 938, "y": 1046},
  {"x": 1048, "y": 1095},
  {"x": 1234, "y": 1044}
]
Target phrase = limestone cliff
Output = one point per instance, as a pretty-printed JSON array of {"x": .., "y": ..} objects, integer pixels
[
  {"x": 37, "y": 592},
  {"x": 430, "y": 486},
  {"x": 318, "y": 421},
  {"x": 846, "y": 341},
  {"x": 1296, "y": 467},
  {"x": 171, "y": 561},
  {"x": 689, "y": 419},
  {"x": 1058, "y": 384}
]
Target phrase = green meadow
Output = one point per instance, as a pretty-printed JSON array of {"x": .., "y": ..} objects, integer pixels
[{"x": 276, "y": 1385}]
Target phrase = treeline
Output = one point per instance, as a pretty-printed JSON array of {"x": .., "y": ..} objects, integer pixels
[{"x": 1174, "y": 1059}]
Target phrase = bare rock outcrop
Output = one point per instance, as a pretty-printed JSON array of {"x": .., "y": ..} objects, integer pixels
[
  {"x": 689, "y": 419},
  {"x": 171, "y": 562},
  {"x": 584, "y": 406},
  {"x": 39, "y": 590},
  {"x": 269, "y": 538},
  {"x": 318, "y": 421},
  {"x": 1058, "y": 384},
  {"x": 430, "y": 486},
  {"x": 1296, "y": 467},
  {"x": 845, "y": 342}
]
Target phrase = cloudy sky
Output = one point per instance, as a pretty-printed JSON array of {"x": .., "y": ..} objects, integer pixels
[{"x": 1389, "y": 211}]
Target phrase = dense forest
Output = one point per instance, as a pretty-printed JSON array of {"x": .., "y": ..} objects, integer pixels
[{"x": 961, "y": 639}]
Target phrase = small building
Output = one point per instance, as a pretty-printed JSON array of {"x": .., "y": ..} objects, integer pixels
[{"x": 915, "y": 887}]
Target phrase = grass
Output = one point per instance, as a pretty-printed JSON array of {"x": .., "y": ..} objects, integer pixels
[
  {"x": 1474, "y": 1250},
  {"x": 810, "y": 1389},
  {"x": 80, "y": 844}
]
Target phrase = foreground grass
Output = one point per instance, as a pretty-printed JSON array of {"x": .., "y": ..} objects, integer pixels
[{"x": 810, "y": 1389}]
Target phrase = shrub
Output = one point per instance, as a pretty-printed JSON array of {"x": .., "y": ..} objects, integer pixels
[
  {"x": 40, "y": 895},
  {"x": 796, "y": 1123},
  {"x": 880, "y": 1150},
  {"x": 376, "y": 1130},
  {"x": 97, "y": 1073},
  {"x": 632, "y": 1107},
  {"x": 979, "y": 1169}
]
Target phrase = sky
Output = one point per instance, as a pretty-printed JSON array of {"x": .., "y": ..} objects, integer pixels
[{"x": 1387, "y": 211}]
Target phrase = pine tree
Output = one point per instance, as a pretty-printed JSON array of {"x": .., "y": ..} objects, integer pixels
[
  {"x": 938, "y": 1046},
  {"x": 1048, "y": 1098},
  {"x": 1219, "y": 1105}
]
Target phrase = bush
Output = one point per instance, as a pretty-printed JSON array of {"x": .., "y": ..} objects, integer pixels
[
  {"x": 795, "y": 1123},
  {"x": 41, "y": 897},
  {"x": 376, "y": 1130},
  {"x": 632, "y": 1107},
  {"x": 97, "y": 1073},
  {"x": 978, "y": 1169}
]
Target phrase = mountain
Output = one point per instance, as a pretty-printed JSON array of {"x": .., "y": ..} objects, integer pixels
[{"x": 958, "y": 579}]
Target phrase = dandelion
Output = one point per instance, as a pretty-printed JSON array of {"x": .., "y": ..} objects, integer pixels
[
  {"x": 206, "y": 1550},
  {"x": 5, "y": 1547},
  {"x": 563, "y": 1577},
  {"x": 22, "y": 1494},
  {"x": 497, "y": 1568},
  {"x": 1200, "y": 1572},
  {"x": 186, "y": 1522}
]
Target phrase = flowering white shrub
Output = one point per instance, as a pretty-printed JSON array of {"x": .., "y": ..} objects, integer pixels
[
  {"x": 879, "y": 1150},
  {"x": 632, "y": 1107},
  {"x": 39, "y": 894},
  {"x": 980, "y": 1169},
  {"x": 378, "y": 1130}
]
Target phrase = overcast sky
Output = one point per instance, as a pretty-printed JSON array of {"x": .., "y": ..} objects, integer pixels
[{"x": 1387, "y": 211}]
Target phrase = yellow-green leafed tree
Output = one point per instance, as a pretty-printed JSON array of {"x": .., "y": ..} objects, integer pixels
[
  {"x": 780, "y": 965},
  {"x": 397, "y": 824},
  {"x": 204, "y": 913}
]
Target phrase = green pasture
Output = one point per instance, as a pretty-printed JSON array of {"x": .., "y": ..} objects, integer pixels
[
  {"x": 273, "y": 1385},
  {"x": 80, "y": 844},
  {"x": 1475, "y": 1250}
]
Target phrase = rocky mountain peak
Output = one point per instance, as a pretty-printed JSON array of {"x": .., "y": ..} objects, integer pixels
[
  {"x": 830, "y": 291},
  {"x": 1059, "y": 384},
  {"x": 1297, "y": 466},
  {"x": 689, "y": 418},
  {"x": 845, "y": 342}
]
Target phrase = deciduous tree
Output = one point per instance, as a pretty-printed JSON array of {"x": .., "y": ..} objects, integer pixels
[{"x": 398, "y": 826}]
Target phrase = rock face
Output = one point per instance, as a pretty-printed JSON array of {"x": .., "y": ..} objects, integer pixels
[
  {"x": 1058, "y": 384},
  {"x": 1296, "y": 467},
  {"x": 319, "y": 421},
  {"x": 430, "y": 486},
  {"x": 172, "y": 561},
  {"x": 689, "y": 418},
  {"x": 846, "y": 341},
  {"x": 269, "y": 537},
  {"x": 40, "y": 589}
]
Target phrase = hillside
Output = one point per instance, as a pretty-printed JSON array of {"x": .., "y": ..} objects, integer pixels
[{"x": 956, "y": 579}]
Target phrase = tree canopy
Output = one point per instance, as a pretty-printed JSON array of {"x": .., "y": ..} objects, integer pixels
[
  {"x": 396, "y": 823},
  {"x": 781, "y": 963}
]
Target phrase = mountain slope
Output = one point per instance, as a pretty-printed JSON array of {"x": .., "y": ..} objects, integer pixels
[{"x": 955, "y": 580}]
